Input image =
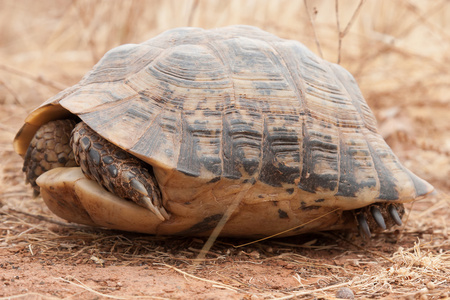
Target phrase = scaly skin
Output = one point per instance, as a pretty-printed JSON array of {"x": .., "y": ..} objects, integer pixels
[
  {"x": 117, "y": 171},
  {"x": 58, "y": 144},
  {"x": 378, "y": 215},
  {"x": 50, "y": 148}
]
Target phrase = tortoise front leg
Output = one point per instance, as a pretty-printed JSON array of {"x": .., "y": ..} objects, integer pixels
[{"x": 116, "y": 170}]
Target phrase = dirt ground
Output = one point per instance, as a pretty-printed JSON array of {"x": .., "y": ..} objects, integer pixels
[{"x": 397, "y": 50}]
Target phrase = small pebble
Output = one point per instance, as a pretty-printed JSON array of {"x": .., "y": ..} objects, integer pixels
[
  {"x": 431, "y": 285},
  {"x": 345, "y": 293},
  {"x": 255, "y": 254}
]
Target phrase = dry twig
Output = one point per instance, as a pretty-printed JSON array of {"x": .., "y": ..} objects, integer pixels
[{"x": 39, "y": 79}]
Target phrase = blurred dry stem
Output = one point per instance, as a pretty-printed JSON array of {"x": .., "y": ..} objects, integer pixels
[
  {"x": 399, "y": 52},
  {"x": 39, "y": 79},
  {"x": 313, "y": 27},
  {"x": 342, "y": 34}
]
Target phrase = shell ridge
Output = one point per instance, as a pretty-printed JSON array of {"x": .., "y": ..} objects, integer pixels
[
  {"x": 145, "y": 156},
  {"x": 103, "y": 106},
  {"x": 386, "y": 182},
  {"x": 387, "y": 187},
  {"x": 297, "y": 87},
  {"x": 150, "y": 124},
  {"x": 278, "y": 141},
  {"x": 320, "y": 136},
  {"x": 222, "y": 57},
  {"x": 91, "y": 117},
  {"x": 135, "y": 147}
]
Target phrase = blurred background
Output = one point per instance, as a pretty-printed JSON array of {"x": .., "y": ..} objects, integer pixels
[{"x": 398, "y": 51}]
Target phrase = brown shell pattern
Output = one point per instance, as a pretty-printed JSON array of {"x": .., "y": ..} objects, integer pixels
[{"x": 240, "y": 103}]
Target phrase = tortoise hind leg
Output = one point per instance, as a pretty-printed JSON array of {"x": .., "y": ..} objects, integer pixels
[
  {"x": 49, "y": 149},
  {"x": 116, "y": 170},
  {"x": 378, "y": 215}
]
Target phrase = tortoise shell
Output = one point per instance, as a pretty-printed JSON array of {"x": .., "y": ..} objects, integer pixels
[{"x": 237, "y": 112}]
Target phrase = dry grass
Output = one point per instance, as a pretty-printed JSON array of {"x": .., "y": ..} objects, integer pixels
[{"x": 399, "y": 52}]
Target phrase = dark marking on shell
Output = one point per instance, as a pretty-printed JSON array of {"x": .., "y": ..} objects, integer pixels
[
  {"x": 243, "y": 136},
  {"x": 349, "y": 184},
  {"x": 310, "y": 181},
  {"x": 215, "y": 179},
  {"x": 231, "y": 164},
  {"x": 299, "y": 228},
  {"x": 273, "y": 171},
  {"x": 388, "y": 189},
  {"x": 207, "y": 224},
  {"x": 305, "y": 207},
  {"x": 212, "y": 164},
  {"x": 188, "y": 162},
  {"x": 282, "y": 214},
  {"x": 319, "y": 200}
]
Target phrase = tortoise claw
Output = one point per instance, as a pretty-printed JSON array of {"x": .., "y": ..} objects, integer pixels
[
  {"x": 363, "y": 226},
  {"x": 378, "y": 217},
  {"x": 394, "y": 215},
  {"x": 148, "y": 203}
]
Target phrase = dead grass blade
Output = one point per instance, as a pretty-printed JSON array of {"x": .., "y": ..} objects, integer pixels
[
  {"x": 285, "y": 231},
  {"x": 16, "y": 96},
  {"x": 39, "y": 79},
  {"x": 192, "y": 10},
  {"x": 342, "y": 34},
  {"x": 215, "y": 233},
  {"x": 215, "y": 283},
  {"x": 311, "y": 21}
]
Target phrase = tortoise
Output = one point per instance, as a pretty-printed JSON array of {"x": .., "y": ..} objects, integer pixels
[{"x": 195, "y": 127}]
